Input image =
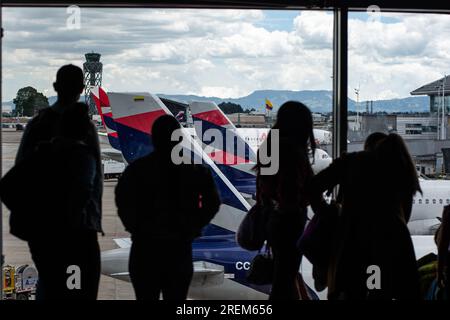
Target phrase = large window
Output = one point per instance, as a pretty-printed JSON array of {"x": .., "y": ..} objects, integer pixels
[
  {"x": 226, "y": 56},
  {"x": 397, "y": 64},
  {"x": 244, "y": 61},
  {"x": 436, "y": 103}
]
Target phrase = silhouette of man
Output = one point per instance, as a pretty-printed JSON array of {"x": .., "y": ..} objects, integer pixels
[
  {"x": 48, "y": 124},
  {"x": 164, "y": 206},
  {"x": 45, "y": 125}
]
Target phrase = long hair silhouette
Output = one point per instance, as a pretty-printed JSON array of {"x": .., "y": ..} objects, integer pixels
[
  {"x": 295, "y": 122},
  {"x": 296, "y": 137},
  {"x": 396, "y": 166}
]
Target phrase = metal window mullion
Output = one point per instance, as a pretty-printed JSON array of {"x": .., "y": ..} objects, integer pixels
[
  {"x": 340, "y": 81},
  {"x": 1, "y": 159}
]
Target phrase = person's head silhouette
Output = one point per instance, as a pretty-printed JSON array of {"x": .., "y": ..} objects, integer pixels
[
  {"x": 373, "y": 140},
  {"x": 295, "y": 122},
  {"x": 69, "y": 83},
  {"x": 162, "y": 131}
]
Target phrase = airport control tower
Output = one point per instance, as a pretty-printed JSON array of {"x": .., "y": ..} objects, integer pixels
[{"x": 92, "y": 69}]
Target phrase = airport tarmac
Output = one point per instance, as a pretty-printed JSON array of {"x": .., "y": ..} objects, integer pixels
[{"x": 16, "y": 251}]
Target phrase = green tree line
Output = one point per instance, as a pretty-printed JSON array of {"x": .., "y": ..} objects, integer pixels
[{"x": 28, "y": 102}]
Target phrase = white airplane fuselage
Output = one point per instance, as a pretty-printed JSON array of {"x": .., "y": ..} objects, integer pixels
[{"x": 428, "y": 206}]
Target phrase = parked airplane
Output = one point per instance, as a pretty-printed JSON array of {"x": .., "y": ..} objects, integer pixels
[{"x": 428, "y": 206}]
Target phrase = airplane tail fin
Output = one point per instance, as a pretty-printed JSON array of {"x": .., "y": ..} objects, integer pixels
[
  {"x": 232, "y": 148},
  {"x": 232, "y": 155},
  {"x": 104, "y": 110},
  {"x": 134, "y": 115}
]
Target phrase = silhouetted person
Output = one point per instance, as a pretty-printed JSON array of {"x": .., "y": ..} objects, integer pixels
[
  {"x": 443, "y": 242},
  {"x": 164, "y": 206},
  {"x": 69, "y": 237},
  {"x": 376, "y": 190},
  {"x": 285, "y": 194},
  {"x": 44, "y": 126}
]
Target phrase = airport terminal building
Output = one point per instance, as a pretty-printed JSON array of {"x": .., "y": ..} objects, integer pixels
[{"x": 427, "y": 135}]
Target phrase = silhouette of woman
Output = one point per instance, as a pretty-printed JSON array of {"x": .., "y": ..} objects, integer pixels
[
  {"x": 376, "y": 188},
  {"x": 285, "y": 193}
]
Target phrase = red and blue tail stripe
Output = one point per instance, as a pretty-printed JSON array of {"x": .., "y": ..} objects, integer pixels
[
  {"x": 228, "y": 157},
  {"x": 101, "y": 101},
  {"x": 226, "y": 151}
]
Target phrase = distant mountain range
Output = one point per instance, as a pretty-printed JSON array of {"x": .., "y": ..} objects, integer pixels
[{"x": 319, "y": 101}]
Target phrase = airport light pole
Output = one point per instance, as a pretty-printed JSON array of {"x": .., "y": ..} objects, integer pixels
[
  {"x": 441, "y": 135},
  {"x": 443, "y": 131},
  {"x": 357, "y": 90},
  {"x": 438, "y": 112}
]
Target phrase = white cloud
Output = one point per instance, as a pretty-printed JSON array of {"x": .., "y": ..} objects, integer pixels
[
  {"x": 225, "y": 53},
  {"x": 313, "y": 28},
  {"x": 221, "y": 92},
  {"x": 389, "y": 60}
]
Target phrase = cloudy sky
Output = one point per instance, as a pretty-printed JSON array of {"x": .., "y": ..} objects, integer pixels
[{"x": 224, "y": 53}]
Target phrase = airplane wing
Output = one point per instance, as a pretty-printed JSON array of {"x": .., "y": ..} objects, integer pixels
[
  {"x": 207, "y": 274},
  {"x": 123, "y": 242},
  {"x": 114, "y": 262},
  {"x": 112, "y": 154},
  {"x": 124, "y": 276},
  {"x": 204, "y": 276},
  {"x": 424, "y": 245}
]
